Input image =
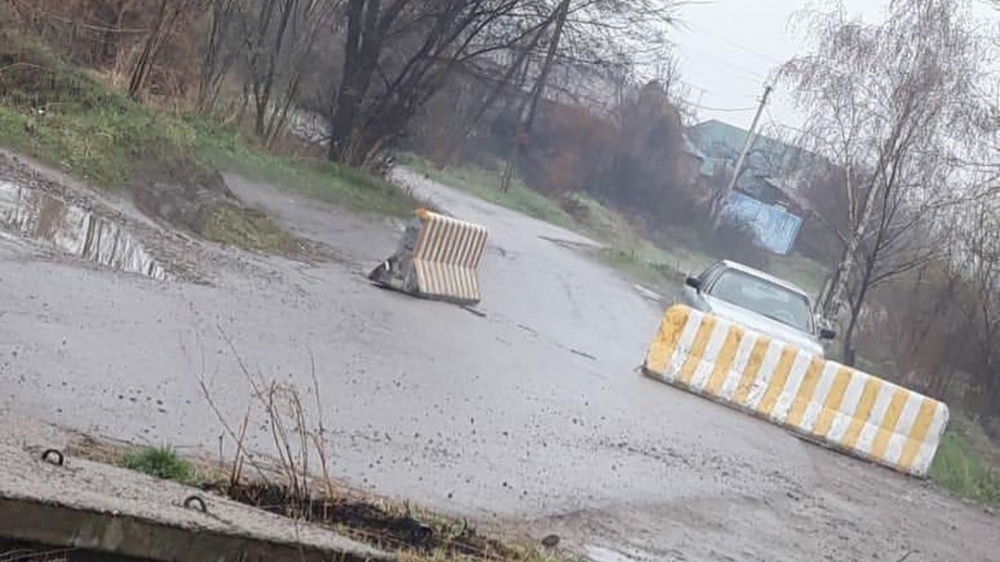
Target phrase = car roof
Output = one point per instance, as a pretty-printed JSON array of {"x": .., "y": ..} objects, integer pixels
[{"x": 728, "y": 264}]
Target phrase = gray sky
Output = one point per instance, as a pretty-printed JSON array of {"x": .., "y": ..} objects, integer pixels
[{"x": 728, "y": 49}]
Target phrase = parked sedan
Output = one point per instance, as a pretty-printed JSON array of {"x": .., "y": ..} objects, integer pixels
[{"x": 759, "y": 301}]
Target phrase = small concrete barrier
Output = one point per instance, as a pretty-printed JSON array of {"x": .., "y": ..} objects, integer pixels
[
  {"x": 436, "y": 259},
  {"x": 833, "y": 404}
]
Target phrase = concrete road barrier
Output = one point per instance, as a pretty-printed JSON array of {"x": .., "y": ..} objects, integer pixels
[
  {"x": 836, "y": 405},
  {"x": 437, "y": 258}
]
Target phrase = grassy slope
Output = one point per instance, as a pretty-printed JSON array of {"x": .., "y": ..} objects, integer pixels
[{"x": 67, "y": 118}]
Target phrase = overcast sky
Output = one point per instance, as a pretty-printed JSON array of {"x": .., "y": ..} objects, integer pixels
[{"x": 729, "y": 48}]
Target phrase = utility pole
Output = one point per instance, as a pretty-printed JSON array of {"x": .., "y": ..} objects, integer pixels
[{"x": 715, "y": 209}]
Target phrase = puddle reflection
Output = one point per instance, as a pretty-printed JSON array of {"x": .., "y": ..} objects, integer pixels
[{"x": 74, "y": 230}]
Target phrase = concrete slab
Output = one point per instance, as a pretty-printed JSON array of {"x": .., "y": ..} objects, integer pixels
[{"x": 107, "y": 509}]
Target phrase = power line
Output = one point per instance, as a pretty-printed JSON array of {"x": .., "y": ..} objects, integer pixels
[
  {"x": 705, "y": 91},
  {"x": 728, "y": 109},
  {"x": 744, "y": 72},
  {"x": 703, "y": 30}
]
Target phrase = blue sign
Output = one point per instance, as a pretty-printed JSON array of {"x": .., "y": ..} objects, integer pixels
[{"x": 774, "y": 228}]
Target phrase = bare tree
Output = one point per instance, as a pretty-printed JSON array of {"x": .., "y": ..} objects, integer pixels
[
  {"x": 890, "y": 105},
  {"x": 399, "y": 53},
  {"x": 217, "y": 58},
  {"x": 276, "y": 37},
  {"x": 168, "y": 15},
  {"x": 591, "y": 41},
  {"x": 977, "y": 263}
]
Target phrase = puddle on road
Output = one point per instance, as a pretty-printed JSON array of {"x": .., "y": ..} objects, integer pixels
[{"x": 74, "y": 230}]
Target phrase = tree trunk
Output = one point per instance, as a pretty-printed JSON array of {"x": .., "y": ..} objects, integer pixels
[
  {"x": 149, "y": 50},
  {"x": 493, "y": 96},
  {"x": 849, "y": 348},
  {"x": 834, "y": 298},
  {"x": 214, "y": 63},
  {"x": 360, "y": 55},
  {"x": 524, "y": 127}
]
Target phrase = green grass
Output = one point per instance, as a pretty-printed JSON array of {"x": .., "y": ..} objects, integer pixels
[
  {"x": 249, "y": 229},
  {"x": 959, "y": 469},
  {"x": 227, "y": 149},
  {"x": 162, "y": 462},
  {"x": 88, "y": 131},
  {"x": 486, "y": 185}
]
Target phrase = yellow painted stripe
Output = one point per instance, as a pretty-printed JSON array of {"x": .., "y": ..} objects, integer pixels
[
  {"x": 832, "y": 403},
  {"x": 697, "y": 353},
  {"x": 889, "y": 420},
  {"x": 750, "y": 372},
  {"x": 778, "y": 380},
  {"x": 861, "y": 413},
  {"x": 666, "y": 339},
  {"x": 805, "y": 394},
  {"x": 725, "y": 360},
  {"x": 917, "y": 435}
]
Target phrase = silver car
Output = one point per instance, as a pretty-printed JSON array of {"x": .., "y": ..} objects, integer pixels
[{"x": 759, "y": 301}]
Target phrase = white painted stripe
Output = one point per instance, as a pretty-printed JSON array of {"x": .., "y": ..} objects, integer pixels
[
  {"x": 683, "y": 345},
  {"x": 826, "y": 378},
  {"x": 923, "y": 461},
  {"x": 844, "y": 414},
  {"x": 874, "y": 421},
  {"x": 759, "y": 386},
  {"x": 903, "y": 427},
  {"x": 707, "y": 363},
  {"x": 784, "y": 403},
  {"x": 739, "y": 365}
]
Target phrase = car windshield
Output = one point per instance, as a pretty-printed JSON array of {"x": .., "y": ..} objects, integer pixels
[{"x": 764, "y": 298}]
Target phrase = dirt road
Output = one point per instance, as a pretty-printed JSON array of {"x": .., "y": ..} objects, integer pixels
[{"x": 531, "y": 417}]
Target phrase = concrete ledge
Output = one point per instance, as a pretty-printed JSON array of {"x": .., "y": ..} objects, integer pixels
[{"x": 106, "y": 509}]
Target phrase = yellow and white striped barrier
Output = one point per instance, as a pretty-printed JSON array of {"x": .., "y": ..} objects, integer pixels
[
  {"x": 437, "y": 258},
  {"x": 836, "y": 405}
]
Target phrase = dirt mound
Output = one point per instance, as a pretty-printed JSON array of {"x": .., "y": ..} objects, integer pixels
[{"x": 180, "y": 193}]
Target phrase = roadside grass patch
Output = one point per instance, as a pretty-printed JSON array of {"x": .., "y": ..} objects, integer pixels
[
  {"x": 66, "y": 117},
  {"x": 959, "y": 469},
  {"x": 227, "y": 149},
  {"x": 486, "y": 185},
  {"x": 249, "y": 229},
  {"x": 161, "y": 462}
]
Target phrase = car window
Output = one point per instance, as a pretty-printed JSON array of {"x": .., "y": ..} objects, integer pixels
[{"x": 763, "y": 297}]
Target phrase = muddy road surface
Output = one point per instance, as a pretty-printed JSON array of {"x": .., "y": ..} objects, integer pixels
[{"x": 528, "y": 415}]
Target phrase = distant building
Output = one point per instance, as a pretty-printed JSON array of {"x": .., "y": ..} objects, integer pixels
[
  {"x": 774, "y": 191},
  {"x": 774, "y": 172}
]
